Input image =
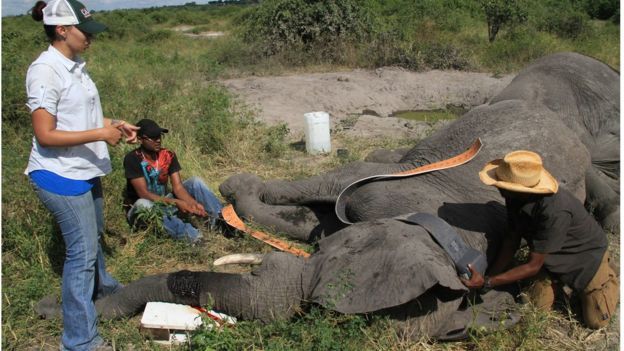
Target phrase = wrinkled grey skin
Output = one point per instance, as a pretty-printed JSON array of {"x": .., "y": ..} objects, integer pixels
[{"x": 564, "y": 106}]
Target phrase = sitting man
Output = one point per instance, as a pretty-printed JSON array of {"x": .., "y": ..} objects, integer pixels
[
  {"x": 566, "y": 244},
  {"x": 148, "y": 170}
]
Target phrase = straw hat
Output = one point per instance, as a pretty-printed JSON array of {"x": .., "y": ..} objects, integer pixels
[{"x": 520, "y": 171}]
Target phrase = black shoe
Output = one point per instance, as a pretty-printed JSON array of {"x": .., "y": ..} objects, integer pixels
[{"x": 222, "y": 226}]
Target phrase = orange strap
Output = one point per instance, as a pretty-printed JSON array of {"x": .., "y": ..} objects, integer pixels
[
  {"x": 231, "y": 218},
  {"x": 457, "y": 160},
  {"x": 345, "y": 194}
]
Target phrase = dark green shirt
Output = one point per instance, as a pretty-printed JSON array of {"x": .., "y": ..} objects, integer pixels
[{"x": 558, "y": 225}]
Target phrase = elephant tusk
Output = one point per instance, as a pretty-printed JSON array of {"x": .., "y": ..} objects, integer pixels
[{"x": 239, "y": 258}]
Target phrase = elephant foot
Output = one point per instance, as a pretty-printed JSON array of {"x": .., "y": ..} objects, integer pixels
[
  {"x": 611, "y": 222},
  {"x": 49, "y": 308},
  {"x": 242, "y": 185}
]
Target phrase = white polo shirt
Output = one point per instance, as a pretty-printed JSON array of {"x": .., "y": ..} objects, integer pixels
[{"x": 63, "y": 88}]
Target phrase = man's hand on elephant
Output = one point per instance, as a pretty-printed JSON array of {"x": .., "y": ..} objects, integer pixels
[{"x": 476, "y": 280}]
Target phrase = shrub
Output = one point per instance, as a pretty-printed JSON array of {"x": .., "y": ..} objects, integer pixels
[
  {"x": 279, "y": 24},
  {"x": 565, "y": 22},
  {"x": 518, "y": 47},
  {"x": 123, "y": 24},
  {"x": 502, "y": 12},
  {"x": 151, "y": 219},
  {"x": 275, "y": 143},
  {"x": 444, "y": 56},
  {"x": 602, "y": 9},
  {"x": 233, "y": 52},
  {"x": 155, "y": 36},
  {"x": 387, "y": 50},
  {"x": 21, "y": 44},
  {"x": 566, "y": 19},
  {"x": 158, "y": 17},
  {"x": 213, "y": 120}
]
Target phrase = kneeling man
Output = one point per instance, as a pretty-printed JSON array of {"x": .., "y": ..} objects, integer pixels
[{"x": 566, "y": 244}]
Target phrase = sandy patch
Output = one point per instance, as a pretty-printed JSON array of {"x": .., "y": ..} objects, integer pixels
[
  {"x": 364, "y": 100},
  {"x": 186, "y": 28}
]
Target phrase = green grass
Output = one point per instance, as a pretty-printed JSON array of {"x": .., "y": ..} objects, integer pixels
[{"x": 143, "y": 68}]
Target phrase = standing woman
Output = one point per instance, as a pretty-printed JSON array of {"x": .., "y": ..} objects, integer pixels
[{"x": 68, "y": 157}]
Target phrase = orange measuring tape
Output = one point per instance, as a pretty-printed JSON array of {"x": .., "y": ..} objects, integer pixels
[
  {"x": 231, "y": 218},
  {"x": 345, "y": 194}
]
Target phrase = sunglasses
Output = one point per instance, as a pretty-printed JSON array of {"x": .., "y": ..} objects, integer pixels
[{"x": 153, "y": 139}]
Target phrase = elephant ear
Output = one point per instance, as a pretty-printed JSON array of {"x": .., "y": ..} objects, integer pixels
[{"x": 375, "y": 265}]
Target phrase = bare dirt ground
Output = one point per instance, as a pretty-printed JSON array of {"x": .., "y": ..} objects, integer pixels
[
  {"x": 362, "y": 102},
  {"x": 185, "y": 29}
]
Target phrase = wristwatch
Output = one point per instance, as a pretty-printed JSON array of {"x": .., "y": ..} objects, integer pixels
[{"x": 487, "y": 285}]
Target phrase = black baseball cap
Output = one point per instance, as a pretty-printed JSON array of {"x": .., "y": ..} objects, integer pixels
[{"x": 150, "y": 128}]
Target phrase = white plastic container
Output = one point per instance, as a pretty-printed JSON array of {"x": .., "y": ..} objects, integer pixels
[{"x": 317, "y": 132}]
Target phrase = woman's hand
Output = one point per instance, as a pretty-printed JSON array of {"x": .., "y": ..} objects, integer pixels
[
  {"x": 129, "y": 130},
  {"x": 111, "y": 135}
]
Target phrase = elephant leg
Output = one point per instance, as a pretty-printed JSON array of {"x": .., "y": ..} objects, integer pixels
[
  {"x": 305, "y": 223},
  {"x": 321, "y": 189},
  {"x": 393, "y": 197},
  {"x": 386, "y": 156},
  {"x": 603, "y": 199},
  {"x": 220, "y": 291},
  {"x": 132, "y": 298},
  {"x": 303, "y": 209},
  {"x": 271, "y": 292}
]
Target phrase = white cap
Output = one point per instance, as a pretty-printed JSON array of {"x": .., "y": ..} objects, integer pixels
[
  {"x": 71, "y": 12},
  {"x": 59, "y": 13}
]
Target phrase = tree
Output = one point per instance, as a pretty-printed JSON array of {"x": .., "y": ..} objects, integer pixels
[{"x": 502, "y": 12}]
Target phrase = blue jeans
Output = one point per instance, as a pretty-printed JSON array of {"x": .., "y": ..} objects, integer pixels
[
  {"x": 81, "y": 220},
  {"x": 176, "y": 227}
]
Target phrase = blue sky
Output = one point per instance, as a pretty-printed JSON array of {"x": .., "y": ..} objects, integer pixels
[{"x": 19, "y": 7}]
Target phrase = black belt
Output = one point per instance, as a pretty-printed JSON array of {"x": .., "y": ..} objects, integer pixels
[{"x": 444, "y": 235}]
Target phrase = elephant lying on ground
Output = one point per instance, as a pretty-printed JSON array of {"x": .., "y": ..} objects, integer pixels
[{"x": 564, "y": 107}]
